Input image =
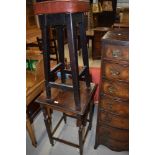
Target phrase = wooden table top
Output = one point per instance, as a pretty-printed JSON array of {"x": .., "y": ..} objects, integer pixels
[{"x": 64, "y": 100}]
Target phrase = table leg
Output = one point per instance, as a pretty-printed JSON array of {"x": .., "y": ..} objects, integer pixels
[
  {"x": 48, "y": 123},
  {"x": 81, "y": 139},
  {"x": 31, "y": 132}
]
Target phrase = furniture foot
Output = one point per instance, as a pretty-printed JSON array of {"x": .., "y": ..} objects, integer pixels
[
  {"x": 65, "y": 118},
  {"x": 81, "y": 139},
  {"x": 48, "y": 123},
  {"x": 95, "y": 146},
  {"x": 31, "y": 132}
]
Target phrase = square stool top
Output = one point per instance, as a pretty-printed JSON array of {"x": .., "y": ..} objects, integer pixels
[{"x": 61, "y": 6}]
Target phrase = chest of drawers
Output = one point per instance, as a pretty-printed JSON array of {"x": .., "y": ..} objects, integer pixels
[{"x": 113, "y": 110}]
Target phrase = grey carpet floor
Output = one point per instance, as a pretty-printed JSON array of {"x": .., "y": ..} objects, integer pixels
[{"x": 69, "y": 132}]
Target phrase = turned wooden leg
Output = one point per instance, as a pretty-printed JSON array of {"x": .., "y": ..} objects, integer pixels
[
  {"x": 81, "y": 139},
  {"x": 31, "y": 132},
  {"x": 49, "y": 113},
  {"x": 48, "y": 124}
]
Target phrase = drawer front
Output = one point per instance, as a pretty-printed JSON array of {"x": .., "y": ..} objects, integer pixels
[
  {"x": 113, "y": 120},
  {"x": 115, "y": 71},
  {"x": 113, "y": 144},
  {"x": 116, "y": 52},
  {"x": 116, "y": 89},
  {"x": 113, "y": 133},
  {"x": 117, "y": 107}
]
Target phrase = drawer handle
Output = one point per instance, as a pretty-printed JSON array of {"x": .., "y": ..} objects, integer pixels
[
  {"x": 111, "y": 90},
  {"x": 110, "y": 105},
  {"x": 116, "y": 53},
  {"x": 114, "y": 72}
]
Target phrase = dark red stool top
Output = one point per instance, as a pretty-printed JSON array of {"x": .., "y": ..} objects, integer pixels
[{"x": 61, "y": 6}]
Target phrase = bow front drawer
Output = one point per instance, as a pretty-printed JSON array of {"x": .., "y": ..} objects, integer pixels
[
  {"x": 113, "y": 120},
  {"x": 113, "y": 133},
  {"x": 117, "y": 89},
  {"x": 116, "y": 52},
  {"x": 115, "y": 71},
  {"x": 120, "y": 108}
]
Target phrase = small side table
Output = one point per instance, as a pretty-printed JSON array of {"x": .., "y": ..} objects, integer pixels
[{"x": 63, "y": 101}]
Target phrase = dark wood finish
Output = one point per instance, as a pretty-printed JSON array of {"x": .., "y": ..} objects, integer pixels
[
  {"x": 115, "y": 71},
  {"x": 98, "y": 34},
  {"x": 113, "y": 111},
  {"x": 114, "y": 106},
  {"x": 114, "y": 88},
  {"x": 114, "y": 145},
  {"x": 70, "y": 21},
  {"x": 113, "y": 133},
  {"x": 69, "y": 96},
  {"x": 113, "y": 120},
  {"x": 71, "y": 36},
  {"x": 64, "y": 102},
  {"x": 53, "y": 48},
  {"x": 116, "y": 52}
]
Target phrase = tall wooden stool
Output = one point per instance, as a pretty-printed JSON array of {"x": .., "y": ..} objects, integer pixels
[{"x": 72, "y": 97}]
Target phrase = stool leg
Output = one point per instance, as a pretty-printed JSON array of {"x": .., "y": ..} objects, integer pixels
[
  {"x": 55, "y": 46},
  {"x": 73, "y": 57},
  {"x": 46, "y": 57},
  {"x": 61, "y": 51},
  {"x": 48, "y": 124},
  {"x": 84, "y": 50},
  {"x": 91, "y": 114},
  {"x": 81, "y": 139}
]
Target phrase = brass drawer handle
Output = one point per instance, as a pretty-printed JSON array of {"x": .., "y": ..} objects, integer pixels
[
  {"x": 116, "y": 53},
  {"x": 110, "y": 105},
  {"x": 111, "y": 90},
  {"x": 114, "y": 72}
]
